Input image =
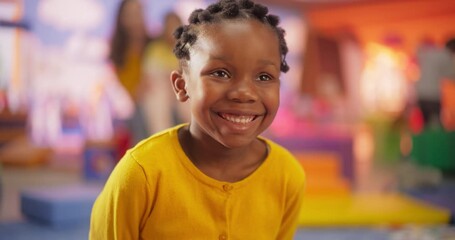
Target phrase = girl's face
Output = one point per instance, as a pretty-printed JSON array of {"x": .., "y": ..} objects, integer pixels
[{"x": 232, "y": 80}]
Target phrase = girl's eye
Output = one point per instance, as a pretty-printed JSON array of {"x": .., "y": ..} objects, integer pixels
[
  {"x": 264, "y": 77},
  {"x": 220, "y": 74}
]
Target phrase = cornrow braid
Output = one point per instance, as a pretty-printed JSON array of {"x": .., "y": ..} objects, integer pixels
[{"x": 186, "y": 35}]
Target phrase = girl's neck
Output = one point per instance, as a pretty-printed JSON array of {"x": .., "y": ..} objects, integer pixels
[{"x": 220, "y": 162}]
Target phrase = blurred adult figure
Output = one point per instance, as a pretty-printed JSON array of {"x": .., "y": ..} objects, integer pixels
[
  {"x": 436, "y": 64},
  {"x": 128, "y": 44},
  {"x": 160, "y": 107}
]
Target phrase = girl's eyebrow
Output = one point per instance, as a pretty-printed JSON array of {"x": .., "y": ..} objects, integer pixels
[
  {"x": 216, "y": 57},
  {"x": 261, "y": 61},
  {"x": 268, "y": 62}
]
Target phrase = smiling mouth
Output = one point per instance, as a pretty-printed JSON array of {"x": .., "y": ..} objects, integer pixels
[{"x": 239, "y": 119}]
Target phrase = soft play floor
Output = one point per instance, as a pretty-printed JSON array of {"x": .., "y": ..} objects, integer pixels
[
  {"x": 30, "y": 231},
  {"x": 369, "y": 210}
]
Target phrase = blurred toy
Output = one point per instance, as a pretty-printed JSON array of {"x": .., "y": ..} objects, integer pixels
[{"x": 74, "y": 78}]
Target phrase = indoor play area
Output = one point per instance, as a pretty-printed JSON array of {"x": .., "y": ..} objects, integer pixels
[{"x": 349, "y": 112}]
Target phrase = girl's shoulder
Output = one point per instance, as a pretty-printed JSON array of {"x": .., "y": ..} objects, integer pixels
[{"x": 160, "y": 148}]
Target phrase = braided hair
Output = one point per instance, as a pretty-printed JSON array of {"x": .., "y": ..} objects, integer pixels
[{"x": 186, "y": 35}]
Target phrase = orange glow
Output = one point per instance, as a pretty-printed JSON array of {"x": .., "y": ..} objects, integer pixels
[
  {"x": 383, "y": 81},
  {"x": 370, "y": 20},
  {"x": 363, "y": 144},
  {"x": 448, "y": 104}
]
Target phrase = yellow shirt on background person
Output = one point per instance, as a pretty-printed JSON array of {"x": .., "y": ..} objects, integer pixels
[
  {"x": 130, "y": 74},
  {"x": 155, "y": 192},
  {"x": 160, "y": 107},
  {"x": 159, "y": 55}
]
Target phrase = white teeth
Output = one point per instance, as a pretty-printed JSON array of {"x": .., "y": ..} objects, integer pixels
[{"x": 238, "y": 119}]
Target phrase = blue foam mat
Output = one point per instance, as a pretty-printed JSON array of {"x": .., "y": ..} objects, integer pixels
[{"x": 61, "y": 206}]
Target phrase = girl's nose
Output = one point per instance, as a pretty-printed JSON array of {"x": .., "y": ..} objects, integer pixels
[{"x": 243, "y": 91}]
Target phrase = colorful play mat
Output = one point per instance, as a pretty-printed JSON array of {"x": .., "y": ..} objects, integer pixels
[
  {"x": 330, "y": 201},
  {"x": 391, "y": 209}
]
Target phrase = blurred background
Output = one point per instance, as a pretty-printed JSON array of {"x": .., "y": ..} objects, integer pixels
[{"x": 368, "y": 108}]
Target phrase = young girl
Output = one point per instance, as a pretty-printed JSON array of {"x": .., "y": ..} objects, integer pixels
[{"x": 213, "y": 178}]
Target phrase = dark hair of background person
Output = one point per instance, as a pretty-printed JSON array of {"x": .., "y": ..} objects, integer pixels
[
  {"x": 450, "y": 45},
  {"x": 120, "y": 40}
]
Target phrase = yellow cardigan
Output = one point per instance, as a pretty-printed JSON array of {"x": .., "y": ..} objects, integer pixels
[{"x": 155, "y": 192}]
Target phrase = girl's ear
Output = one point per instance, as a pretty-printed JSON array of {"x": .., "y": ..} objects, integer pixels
[{"x": 179, "y": 86}]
